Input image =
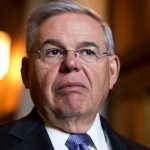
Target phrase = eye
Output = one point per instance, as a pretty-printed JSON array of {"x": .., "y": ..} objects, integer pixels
[
  {"x": 87, "y": 51},
  {"x": 53, "y": 52}
]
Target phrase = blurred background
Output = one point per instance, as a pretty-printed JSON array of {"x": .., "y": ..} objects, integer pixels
[{"x": 128, "y": 105}]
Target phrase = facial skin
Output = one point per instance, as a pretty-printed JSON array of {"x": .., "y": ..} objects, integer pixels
[{"x": 68, "y": 95}]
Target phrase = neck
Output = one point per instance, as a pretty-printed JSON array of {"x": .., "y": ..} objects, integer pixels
[{"x": 80, "y": 124}]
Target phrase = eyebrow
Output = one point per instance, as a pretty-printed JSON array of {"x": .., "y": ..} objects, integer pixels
[
  {"x": 54, "y": 42},
  {"x": 88, "y": 43},
  {"x": 60, "y": 44}
]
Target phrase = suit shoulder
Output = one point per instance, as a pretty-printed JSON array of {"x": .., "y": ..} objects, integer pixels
[
  {"x": 5, "y": 127},
  {"x": 6, "y": 140},
  {"x": 118, "y": 141}
]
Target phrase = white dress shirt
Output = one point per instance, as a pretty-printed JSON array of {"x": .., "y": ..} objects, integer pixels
[{"x": 100, "y": 139}]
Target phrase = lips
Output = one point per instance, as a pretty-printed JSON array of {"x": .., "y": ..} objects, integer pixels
[{"x": 70, "y": 85}]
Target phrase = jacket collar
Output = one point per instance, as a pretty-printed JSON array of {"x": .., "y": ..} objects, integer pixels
[
  {"x": 31, "y": 133},
  {"x": 117, "y": 141}
]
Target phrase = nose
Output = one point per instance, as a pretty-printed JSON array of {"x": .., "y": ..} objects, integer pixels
[{"x": 70, "y": 62}]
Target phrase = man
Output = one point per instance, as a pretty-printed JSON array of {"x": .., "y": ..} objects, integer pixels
[{"x": 69, "y": 69}]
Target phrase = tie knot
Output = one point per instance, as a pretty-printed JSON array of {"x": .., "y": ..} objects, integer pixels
[{"x": 75, "y": 140}]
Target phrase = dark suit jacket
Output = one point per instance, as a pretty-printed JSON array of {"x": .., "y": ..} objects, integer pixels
[{"x": 29, "y": 133}]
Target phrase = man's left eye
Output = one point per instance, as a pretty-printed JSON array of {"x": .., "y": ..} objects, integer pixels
[{"x": 87, "y": 51}]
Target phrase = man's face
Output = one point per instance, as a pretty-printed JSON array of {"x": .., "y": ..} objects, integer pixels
[{"x": 70, "y": 89}]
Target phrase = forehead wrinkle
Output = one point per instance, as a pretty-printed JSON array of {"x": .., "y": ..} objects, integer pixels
[
  {"x": 55, "y": 42},
  {"x": 54, "y": 22},
  {"x": 88, "y": 43},
  {"x": 60, "y": 44}
]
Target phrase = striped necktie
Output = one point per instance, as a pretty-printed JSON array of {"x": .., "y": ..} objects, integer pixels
[{"x": 79, "y": 142}]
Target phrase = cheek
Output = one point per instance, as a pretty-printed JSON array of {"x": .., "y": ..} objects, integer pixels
[
  {"x": 100, "y": 83},
  {"x": 45, "y": 74},
  {"x": 41, "y": 79},
  {"x": 103, "y": 78},
  {"x": 47, "y": 79},
  {"x": 99, "y": 77}
]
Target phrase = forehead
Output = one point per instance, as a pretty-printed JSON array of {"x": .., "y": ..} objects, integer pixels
[{"x": 76, "y": 26}]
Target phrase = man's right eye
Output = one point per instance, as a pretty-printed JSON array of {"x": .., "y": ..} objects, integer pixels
[{"x": 53, "y": 52}]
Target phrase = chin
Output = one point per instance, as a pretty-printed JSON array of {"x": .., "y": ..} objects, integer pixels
[{"x": 69, "y": 113}]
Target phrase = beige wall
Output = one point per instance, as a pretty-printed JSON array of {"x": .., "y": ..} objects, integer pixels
[{"x": 100, "y": 6}]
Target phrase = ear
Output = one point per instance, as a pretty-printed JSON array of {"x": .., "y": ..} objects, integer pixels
[
  {"x": 114, "y": 70},
  {"x": 24, "y": 71}
]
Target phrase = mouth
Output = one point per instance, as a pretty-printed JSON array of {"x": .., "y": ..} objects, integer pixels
[{"x": 70, "y": 86}]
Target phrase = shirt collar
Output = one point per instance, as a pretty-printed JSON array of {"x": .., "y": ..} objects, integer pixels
[
  {"x": 57, "y": 136},
  {"x": 96, "y": 133}
]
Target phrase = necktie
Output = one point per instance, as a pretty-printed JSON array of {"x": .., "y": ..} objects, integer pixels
[{"x": 79, "y": 142}]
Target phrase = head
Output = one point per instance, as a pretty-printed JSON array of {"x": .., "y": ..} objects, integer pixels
[
  {"x": 60, "y": 7},
  {"x": 69, "y": 93}
]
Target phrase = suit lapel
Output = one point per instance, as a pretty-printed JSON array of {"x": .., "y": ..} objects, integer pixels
[
  {"x": 31, "y": 134},
  {"x": 117, "y": 142}
]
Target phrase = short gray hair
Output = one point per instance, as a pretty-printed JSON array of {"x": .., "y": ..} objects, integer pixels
[{"x": 58, "y": 7}]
